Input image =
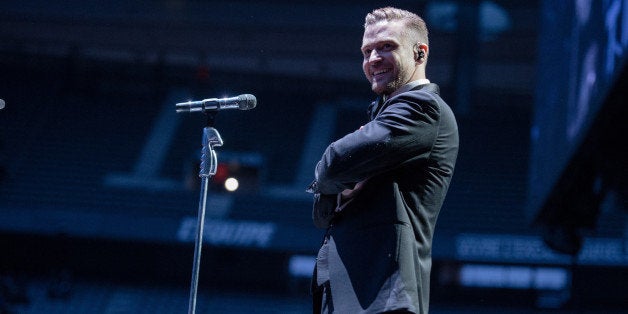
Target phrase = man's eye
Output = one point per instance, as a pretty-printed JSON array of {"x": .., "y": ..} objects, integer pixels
[
  {"x": 367, "y": 52},
  {"x": 387, "y": 47}
]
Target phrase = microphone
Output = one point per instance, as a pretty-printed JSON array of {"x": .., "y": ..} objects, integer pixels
[{"x": 242, "y": 102}]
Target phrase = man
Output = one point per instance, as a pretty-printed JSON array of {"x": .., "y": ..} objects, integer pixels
[{"x": 379, "y": 190}]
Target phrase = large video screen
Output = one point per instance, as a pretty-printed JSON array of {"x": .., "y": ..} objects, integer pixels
[{"x": 582, "y": 48}]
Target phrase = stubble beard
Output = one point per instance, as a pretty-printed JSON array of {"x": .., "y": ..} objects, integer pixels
[{"x": 391, "y": 86}]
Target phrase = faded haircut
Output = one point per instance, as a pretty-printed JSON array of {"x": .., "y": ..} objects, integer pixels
[{"x": 416, "y": 30}]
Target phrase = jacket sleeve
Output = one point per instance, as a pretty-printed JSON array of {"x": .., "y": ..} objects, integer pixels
[
  {"x": 324, "y": 209},
  {"x": 403, "y": 132}
]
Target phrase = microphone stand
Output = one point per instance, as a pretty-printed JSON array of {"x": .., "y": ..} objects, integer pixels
[{"x": 209, "y": 165}]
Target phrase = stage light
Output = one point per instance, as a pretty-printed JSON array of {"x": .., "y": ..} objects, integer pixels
[{"x": 231, "y": 184}]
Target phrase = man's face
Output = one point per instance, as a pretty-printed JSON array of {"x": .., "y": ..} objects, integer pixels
[{"x": 388, "y": 59}]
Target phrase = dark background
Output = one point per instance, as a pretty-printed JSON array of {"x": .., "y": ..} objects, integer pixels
[{"x": 98, "y": 174}]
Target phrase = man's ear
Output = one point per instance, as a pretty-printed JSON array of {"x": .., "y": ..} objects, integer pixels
[{"x": 420, "y": 52}]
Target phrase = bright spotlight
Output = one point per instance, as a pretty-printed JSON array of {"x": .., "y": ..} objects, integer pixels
[{"x": 231, "y": 184}]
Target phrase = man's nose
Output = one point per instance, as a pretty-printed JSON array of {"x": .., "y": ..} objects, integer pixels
[{"x": 374, "y": 56}]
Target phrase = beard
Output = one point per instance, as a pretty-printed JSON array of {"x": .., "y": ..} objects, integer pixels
[
  {"x": 394, "y": 85},
  {"x": 402, "y": 73},
  {"x": 391, "y": 86}
]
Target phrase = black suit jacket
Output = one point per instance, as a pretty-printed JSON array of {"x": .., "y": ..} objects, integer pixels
[{"x": 380, "y": 243}]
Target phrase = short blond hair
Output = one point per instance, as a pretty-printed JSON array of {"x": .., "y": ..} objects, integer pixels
[{"x": 416, "y": 29}]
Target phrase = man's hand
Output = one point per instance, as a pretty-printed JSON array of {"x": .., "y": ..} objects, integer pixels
[{"x": 350, "y": 193}]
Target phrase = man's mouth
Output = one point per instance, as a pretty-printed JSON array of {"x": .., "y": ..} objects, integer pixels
[{"x": 379, "y": 72}]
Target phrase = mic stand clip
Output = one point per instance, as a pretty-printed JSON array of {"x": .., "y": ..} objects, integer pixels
[{"x": 208, "y": 167}]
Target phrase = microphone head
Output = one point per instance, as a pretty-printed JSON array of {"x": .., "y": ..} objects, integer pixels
[{"x": 246, "y": 102}]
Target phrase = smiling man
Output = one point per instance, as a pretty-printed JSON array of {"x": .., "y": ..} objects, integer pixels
[{"x": 378, "y": 191}]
